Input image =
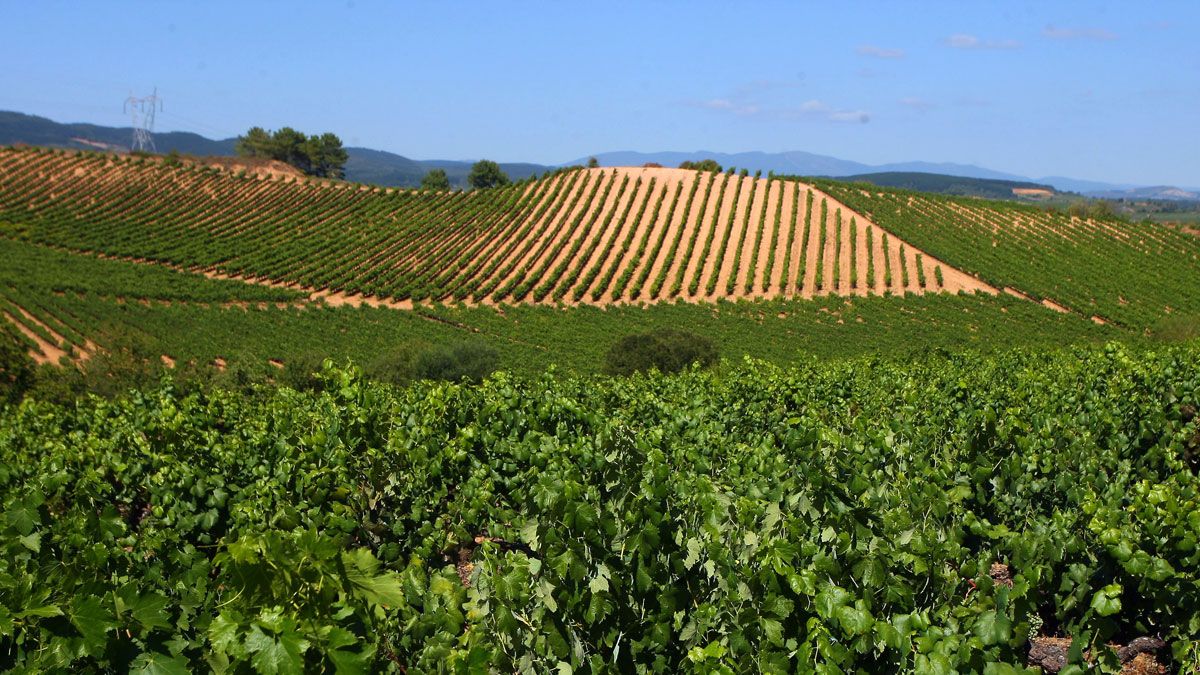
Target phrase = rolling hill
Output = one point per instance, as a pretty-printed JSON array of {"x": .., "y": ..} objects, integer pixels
[
  {"x": 949, "y": 185},
  {"x": 588, "y": 235},
  {"x": 647, "y": 246},
  {"x": 363, "y": 166}
]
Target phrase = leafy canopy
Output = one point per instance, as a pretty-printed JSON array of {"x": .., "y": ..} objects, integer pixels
[
  {"x": 486, "y": 174},
  {"x": 322, "y": 156},
  {"x": 436, "y": 179}
]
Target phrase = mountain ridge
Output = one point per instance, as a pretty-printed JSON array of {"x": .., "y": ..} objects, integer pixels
[
  {"x": 364, "y": 165},
  {"x": 380, "y": 167}
]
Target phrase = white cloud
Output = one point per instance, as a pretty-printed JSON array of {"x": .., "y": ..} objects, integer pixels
[
  {"x": 818, "y": 108},
  {"x": 916, "y": 103},
  {"x": 742, "y": 105},
  {"x": 856, "y": 116},
  {"x": 1097, "y": 34},
  {"x": 725, "y": 105},
  {"x": 965, "y": 41},
  {"x": 880, "y": 52}
]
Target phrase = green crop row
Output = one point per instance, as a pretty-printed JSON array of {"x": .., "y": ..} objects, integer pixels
[{"x": 841, "y": 517}]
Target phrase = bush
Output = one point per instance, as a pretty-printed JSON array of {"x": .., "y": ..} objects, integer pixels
[
  {"x": 16, "y": 368},
  {"x": 702, "y": 165},
  {"x": 1178, "y": 328},
  {"x": 436, "y": 179},
  {"x": 486, "y": 174},
  {"x": 666, "y": 349},
  {"x": 471, "y": 360},
  {"x": 302, "y": 373},
  {"x": 398, "y": 367}
]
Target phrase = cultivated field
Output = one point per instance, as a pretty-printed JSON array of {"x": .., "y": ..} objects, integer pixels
[
  {"x": 594, "y": 236},
  {"x": 881, "y": 505}
]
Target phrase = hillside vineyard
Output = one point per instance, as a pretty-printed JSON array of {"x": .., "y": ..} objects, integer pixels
[{"x": 594, "y": 236}]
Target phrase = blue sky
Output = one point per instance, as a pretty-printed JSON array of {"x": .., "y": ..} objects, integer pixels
[{"x": 1093, "y": 90}]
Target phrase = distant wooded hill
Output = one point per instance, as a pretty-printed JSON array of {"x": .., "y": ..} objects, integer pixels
[
  {"x": 948, "y": 185},
  {"x": 363, "y": 166}
]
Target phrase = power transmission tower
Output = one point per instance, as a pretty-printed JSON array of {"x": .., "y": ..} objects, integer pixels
[{"x": 142, "y": 112}]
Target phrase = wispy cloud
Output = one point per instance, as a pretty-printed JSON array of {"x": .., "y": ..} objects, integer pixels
[
  {"x": 916, "y": 103},
  {"x": 879, "y": 52},
  {"x": 746, "y": 101},
  {"x": 759, "y": 86},
  {"x": 1097, "y": 34},
  {"x": 966, "y": 41},
  {"x": 725, "y": 105},
  {"x": 820, "y": 109}
]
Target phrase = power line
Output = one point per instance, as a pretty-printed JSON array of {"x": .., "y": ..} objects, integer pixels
[{"x": 142, "y": 112}]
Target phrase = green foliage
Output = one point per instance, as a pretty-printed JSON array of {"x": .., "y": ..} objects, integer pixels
[
  {"x": 593, "y": 163},
  {"x": 29, "y": 268},
  {"x": 709, "y": 165},
  {"x": 833, "y": 516},
  {"x": 468, "y": 360},
  {"x": 1101, "y": 209},
  {"x": 435, "y": 180},
  {"x": 302, "y": 372},
  {"x": 322, "y": 156},
  {"x": 1178, "y": 328},
  {"x": 486, "y": 174},
  {"x": 667, "y": 350},
  {"x": 16, "y": 368},
  {"x": 1091, "y": 262},
  {"x": 951, "y": 185}
]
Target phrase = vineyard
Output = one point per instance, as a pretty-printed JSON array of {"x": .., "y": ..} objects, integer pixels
[
  {"x": 71, "y": 305},
  {"x": 594, "y": 236},
  {"x": 923, "y": 450},
  {"x": 1131, "y": 273},
  {"x": 934, "y": 516}
]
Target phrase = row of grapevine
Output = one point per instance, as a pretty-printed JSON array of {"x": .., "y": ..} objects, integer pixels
[
  {"x": 1133, "y": 273},
  {"x": 855, "y": 516},
  {"x": 579, "y": 236}
]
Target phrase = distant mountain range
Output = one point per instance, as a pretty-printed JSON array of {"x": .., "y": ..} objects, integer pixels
[
  {"x": 810, "y": 164},
  {"x": 364, "y": 165},
  {"x": 386, "y": 168}
]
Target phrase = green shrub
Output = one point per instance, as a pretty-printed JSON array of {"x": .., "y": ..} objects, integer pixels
[
  {"x": 16, "y": 368},
  {"x": 702, "y": 165},
  {"x": 666, "y": 350},
  {"x": 302, "y": 373},
  {"x": 1178, "y": 328},
  {"x": 398, "y": 367},
  {"x": 471, "y": 360}
]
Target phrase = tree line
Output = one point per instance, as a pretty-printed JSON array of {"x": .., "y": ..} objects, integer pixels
[{"x": 322, "y": 156}]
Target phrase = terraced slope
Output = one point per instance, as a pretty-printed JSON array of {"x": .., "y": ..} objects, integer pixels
[
  {"x": 595, "y": 236},
  {"x": 1132, "y": 273}
]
